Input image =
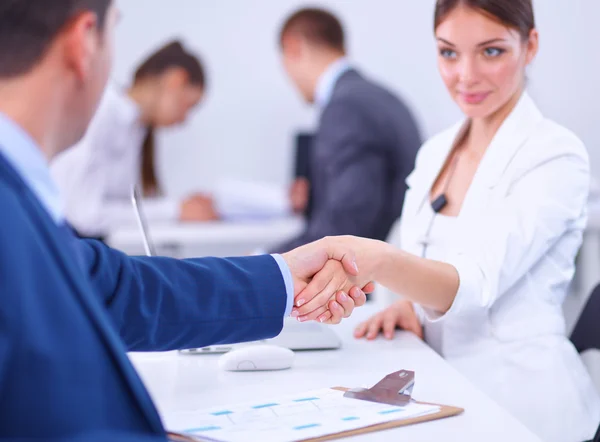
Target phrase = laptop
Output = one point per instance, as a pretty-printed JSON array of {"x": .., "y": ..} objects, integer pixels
[{"x": 295, "y": 335}]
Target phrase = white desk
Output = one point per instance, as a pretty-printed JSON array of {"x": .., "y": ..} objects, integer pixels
[
  {"x": 185, "y": 240},
  {"x": 183, "y": 382}
]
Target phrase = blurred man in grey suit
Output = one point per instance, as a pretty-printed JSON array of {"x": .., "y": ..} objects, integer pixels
[{"x": 366, "y": 142}]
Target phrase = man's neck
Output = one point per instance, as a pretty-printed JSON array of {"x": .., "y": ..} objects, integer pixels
[
  {"x": 29, "y": 107},
  {"x": 326, "y": 60},
  {"x": 323, "y": 62},
  {"x": 326, "y": 76}
]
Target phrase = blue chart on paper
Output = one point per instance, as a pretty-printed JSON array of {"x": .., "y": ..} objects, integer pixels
[{"x": 290, "y": 418}]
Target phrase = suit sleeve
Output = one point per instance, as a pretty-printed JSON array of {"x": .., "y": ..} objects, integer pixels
[
  {"x": 160, "y": 304},
  {"x": 353, "y": 181}
]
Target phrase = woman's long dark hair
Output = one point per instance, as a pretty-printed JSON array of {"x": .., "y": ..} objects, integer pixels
[{"x": 170, "y": 56}]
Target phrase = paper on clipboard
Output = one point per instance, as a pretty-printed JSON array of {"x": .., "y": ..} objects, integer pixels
[{"x": 290, "y": 418}]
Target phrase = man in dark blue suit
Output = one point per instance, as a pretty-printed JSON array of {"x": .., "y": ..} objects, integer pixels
[{"x": 71, "y": 308}]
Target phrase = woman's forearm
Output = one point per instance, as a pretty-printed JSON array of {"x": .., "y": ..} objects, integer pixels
[{"x": 432, "y": 284}]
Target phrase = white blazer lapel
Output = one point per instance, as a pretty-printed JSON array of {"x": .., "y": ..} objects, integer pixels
[
  {"x": 511, "y": 136},
  {"x": 513, "y": 133}
]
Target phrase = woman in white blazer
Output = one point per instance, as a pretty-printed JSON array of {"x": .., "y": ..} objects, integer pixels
[
  {"x": 118, "y": 151},
  {"x": 492, "y": 222}
]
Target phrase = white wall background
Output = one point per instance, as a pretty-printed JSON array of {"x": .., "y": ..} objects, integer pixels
[{"x": 245, "y": 127}]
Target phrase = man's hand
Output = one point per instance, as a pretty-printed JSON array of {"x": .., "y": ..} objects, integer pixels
[
  {"x": 306, "y": 261},
  {"x": 299, "y": 194},
  {"x": 198, "y": 208},
  {"x": 333, "y": 268},
  {"x": 366, "y": 252},
  {"x": 331, "y": 309},
  {"x": 337, "y": 300}
]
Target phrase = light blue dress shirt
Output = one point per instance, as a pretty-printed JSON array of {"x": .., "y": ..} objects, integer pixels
[
  {"x": 22, "y": 153},
  {"x": 328, "y": 80},
  {"x": 26, "y": 157}
]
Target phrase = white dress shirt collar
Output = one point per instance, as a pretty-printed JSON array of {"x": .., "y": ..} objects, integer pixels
[{"x": 328, "y": 80}]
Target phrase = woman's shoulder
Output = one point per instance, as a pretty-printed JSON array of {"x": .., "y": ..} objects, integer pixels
[
  {"x": 552, "y": 147},
  {"x": 557, "y": 138},
  {"x": 116, "y": 104},
  {"x": 550, "y": 143},
  {"x": 548, "y": 138},
  {"x": 116, "y": 113}
]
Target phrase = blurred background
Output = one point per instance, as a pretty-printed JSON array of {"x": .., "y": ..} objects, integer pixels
[{"x": 245, "y": 127}]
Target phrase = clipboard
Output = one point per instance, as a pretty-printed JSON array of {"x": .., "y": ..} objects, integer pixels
[{"x": 394, "y": 389}]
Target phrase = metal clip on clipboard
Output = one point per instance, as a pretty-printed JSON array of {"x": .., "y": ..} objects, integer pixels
[{"x": 394, "y": 389}]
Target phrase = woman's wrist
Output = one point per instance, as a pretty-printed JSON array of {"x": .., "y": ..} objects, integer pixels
[{"x": 385, "y": 261}]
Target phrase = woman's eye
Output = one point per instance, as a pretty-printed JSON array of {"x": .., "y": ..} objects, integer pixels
[
  {"x": 493, "y": 52},
  {"x": 447, "y": 53}
]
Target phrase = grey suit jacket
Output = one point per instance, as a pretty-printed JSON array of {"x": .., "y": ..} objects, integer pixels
[{"x": 364, "y": 149}]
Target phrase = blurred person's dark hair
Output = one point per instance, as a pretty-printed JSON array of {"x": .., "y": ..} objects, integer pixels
[
  {"x": 28, "y": 28},
  {"x": 172, "y": 55},
  {"x": 317, "y": 26}
]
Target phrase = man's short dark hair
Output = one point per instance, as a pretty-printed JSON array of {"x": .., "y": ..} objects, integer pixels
[
  {"x": 28, "y": 28},
  {"x": 318, "y": 26}
]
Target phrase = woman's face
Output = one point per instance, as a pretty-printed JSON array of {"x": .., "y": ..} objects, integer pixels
[
  {"x": 175, "y": 98},
  {"x": 482, "y": 62}
]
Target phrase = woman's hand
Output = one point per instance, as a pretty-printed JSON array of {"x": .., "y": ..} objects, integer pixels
[
  {"x": 198, "y": 208},
  {"x": 337, "y": 298},
  {"x": 333, "y": 295},
  {"x": 299, "y": 195},
  {"x": 400, "y": 314},
  {"x": 365, "y": 256},
  {"x": 342, "y": 306}
]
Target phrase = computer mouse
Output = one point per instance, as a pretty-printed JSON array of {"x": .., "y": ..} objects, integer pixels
[{"x": 257, "y": 357}]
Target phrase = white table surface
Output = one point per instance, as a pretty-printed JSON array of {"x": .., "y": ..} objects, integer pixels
[
  {"x": 185, "y": 382},
  {"x": 223, "y": 238}
]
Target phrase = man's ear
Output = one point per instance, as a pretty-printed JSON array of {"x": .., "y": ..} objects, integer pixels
[
  {"x": 81, "y": 40},
  {"x": 292, "y": 45}
]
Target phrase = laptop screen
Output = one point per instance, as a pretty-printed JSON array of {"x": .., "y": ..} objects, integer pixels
[{"x": 136, "y": 200}]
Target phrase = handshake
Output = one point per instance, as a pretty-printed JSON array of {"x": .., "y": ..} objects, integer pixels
[{"x": 328, "y": 282}]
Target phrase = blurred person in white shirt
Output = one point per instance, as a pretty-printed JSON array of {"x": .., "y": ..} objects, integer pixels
[{"x": 118, "y": 151}]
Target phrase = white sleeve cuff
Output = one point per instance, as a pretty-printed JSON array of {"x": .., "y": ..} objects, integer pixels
[
  {"x": 289, "y": 283},
  {"x": 472, "y": 294}
]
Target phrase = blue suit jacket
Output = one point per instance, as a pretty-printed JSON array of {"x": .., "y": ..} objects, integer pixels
[{"x": 71, "y": 308}]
